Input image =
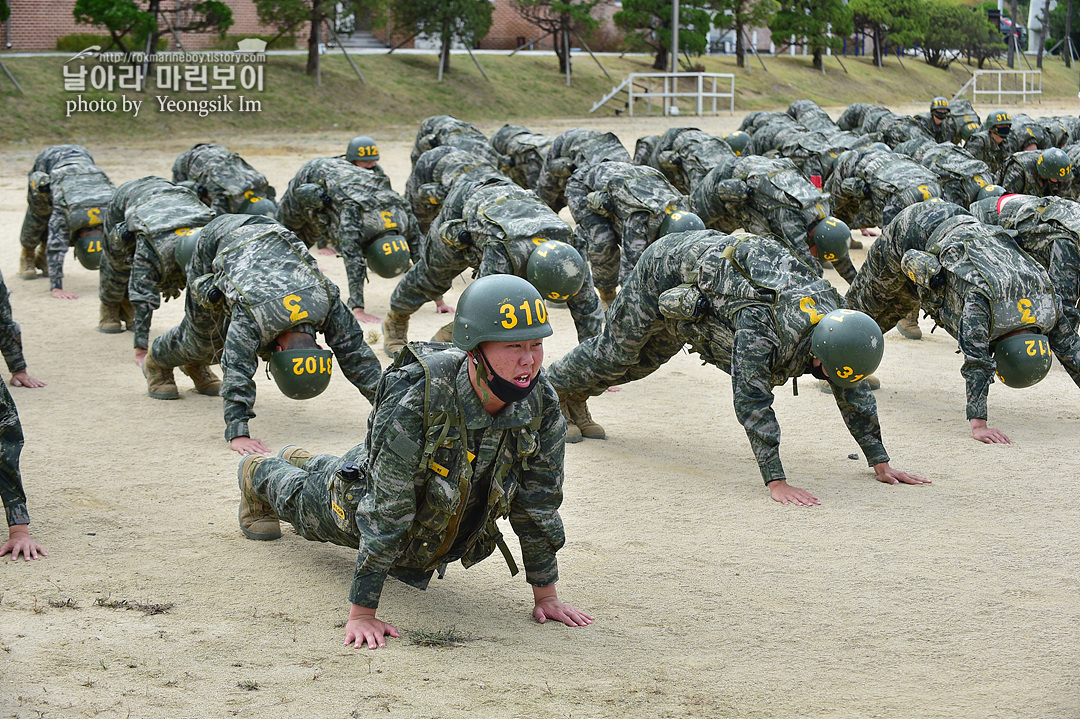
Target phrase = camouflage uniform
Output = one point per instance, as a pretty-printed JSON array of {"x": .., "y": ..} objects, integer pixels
[
  {"x": 11, "y": 434},
  {"x": 269, "y": 284},
  {"x": 1021, "y": 175},
  {"x": 222, "y": 179},
  {"x": 66, "y": 196},
  {"x": 435, "y": 173},
  {"x": 444, "y": 130},
  {"x": 856, "y": 114},
  {"x": 761, "y": 344},
  {"x": 765, "y": 138},
  {"x": 754, "y": 121},
  {"x": 411, "y": 511},
  {"x": 811, "y": 116},
  {"x": 869, "y": 187},
  {"x": 766, "y": 197},
  {"x": 1026, "y": 130},
  {"x": 568, "y": 153},
  {"x": 1048, "y": 229},
  {"x": 358, "y": 207},
  {"x": 984, "y": 281},
  {"x": 688, "y": 157},
  {"x": 902, "y": 129},
  {"x": 960, "y": 176},
  {"x": 1062, "y": 129},
  {"x": 982, "y": 147},
  {"x": 523, "y": 153},
  {"x": 945, "y": 132},
  {"x": 144, "y": 222},
  {"x": 814, "y": 154},
  {"x": 491, "y": 227},
  {"x": 644, "y": 148},
  {"x": 619, "y": 208}
]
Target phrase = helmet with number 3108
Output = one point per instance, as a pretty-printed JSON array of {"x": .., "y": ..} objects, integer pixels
[{"x": 499, "y": 308}]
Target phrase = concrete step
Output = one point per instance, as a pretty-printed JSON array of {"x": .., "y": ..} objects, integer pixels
[{"x": 360, "y": 39}]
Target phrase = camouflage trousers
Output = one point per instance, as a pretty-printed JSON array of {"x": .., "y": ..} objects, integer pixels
[
  {"x": 198, "y": 339},
  {"x": 442, "y": 261},
  {"x": 36, "y": 221},
  {"x": 302, "y": 497},
  {"x": 881, "y": 289},
  {"x": 11, "y": 444},
  {"x": 114, "y": 274},
  {"x": 292, "y": 215}
]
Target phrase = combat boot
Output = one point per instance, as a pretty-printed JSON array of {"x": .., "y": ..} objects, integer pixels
[
  {"x": 27, "y": 268},
  {"x": 206, "y": 382},
  {"x": 159, "y": 379},
  {"x": 909, "y": 326},
  {"x": 573, "y": 434},
  {"x": 296, "y": 456},
  {"x": 127, "y": 314},
  {"x": 109, "y": 320},
  {"x": 578, "y": 412},
  {"x": 257, "y": 518},
  {"x": 445, "y": 334},
  {"x": 606, "y": 298},
  {"x": 395, "y": 329}
]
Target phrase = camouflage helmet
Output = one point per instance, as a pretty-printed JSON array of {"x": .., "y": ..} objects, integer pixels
[
  {"x": 362, "y": 149},
  {"x": 968, "y": 130},
  {"x": 849, "y": 345},
  {"x": 185, "y": 246},
  {"x": 302, "y": 373},
  {"x": 556, "y": 270},
  {"x": 310, "y": 196},
  {"x": 680, "y": 221},
  {"x": 388, "y": 256},
  {"x": 88, "y": 248},
  {"x": 1054, "y": 164},
  {"x": 998, "y": 118},
  {"x": 258, "y": 205},
  {"x": 989, "y": 191},
  {"x": 831, "y": 236},
  {"x": 939, "y": 106},
  {"x": 1023, "y": 359},
  {"x": 737, "y": 141},
  {"x": 499, "y": 308}
]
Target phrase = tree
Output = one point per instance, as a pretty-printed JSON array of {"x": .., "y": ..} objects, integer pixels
[
  {"x": 738, "y": 15},
  {"x": 1062, "y": 21},
  {"x": 286, "y": 15},
  {"x": 466, "y": 21},
  {"x": 650, "y": 20},
  {"x": 902, "y": 21},
  {"x": 128, "y": 19},
  {"x": 5, "y": 11},
  {"x": 560, "y": 18},
  {"x": 954, "y": 26},
  {"x": 814, "y": 24}
]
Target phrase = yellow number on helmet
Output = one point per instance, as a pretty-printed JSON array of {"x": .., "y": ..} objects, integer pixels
[
  {"x": 511, "y": 319},
  {"x": 845, "y": 373}
]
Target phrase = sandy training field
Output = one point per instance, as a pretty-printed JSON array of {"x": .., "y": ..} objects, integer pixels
[{"x": 958, "y": 599}]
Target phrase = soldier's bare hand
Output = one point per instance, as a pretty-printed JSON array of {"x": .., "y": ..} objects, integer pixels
[
  {"x": 248, "y": 445},
  {"x": 19, "y": 542},
  {"x": 441, "y": 308},
  {"x": 22, "y": 379},
  {"x": 140, "y": 356},
  {"x": 989, "y": 435},
  {"x": 784, "y": 493},
  {"x": 361, "y": 316},
  {"x": 368, "y": 630},
  {"x": 64, "y": 294},
  {"x": 888, "y": 475},
  {"x": 558, "y": 610}
]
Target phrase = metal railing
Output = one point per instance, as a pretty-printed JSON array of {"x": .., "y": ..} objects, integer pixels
[
  {"x": 1030, "y": 85},
  {"x": 671, "y": 91}
]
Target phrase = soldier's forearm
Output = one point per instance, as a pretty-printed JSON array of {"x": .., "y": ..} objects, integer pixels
[{"x": 143, "y": 315}]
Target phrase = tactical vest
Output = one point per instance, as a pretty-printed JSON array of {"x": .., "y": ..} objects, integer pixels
[
  {"x": 1019, "y": 291},
  {"x": 445, "y": 464},
  {"x": 782, "y": 186},
  {"x": 955, "y": 163},
  {"x": 161, "y": 220},
  {"x": 266, "y": 274},
  {"x": 82, "y": 194},
  {"x": 231, "y": 178},
  {"x": 523, "y": 218}
]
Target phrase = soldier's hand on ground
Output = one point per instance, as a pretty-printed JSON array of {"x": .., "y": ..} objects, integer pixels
[
  {"x": 441, "y": 308},
  {"x": 64, "y": 294},
  {"x": 328, "y": 251},
  {"x": 140, "y": 355},
  {"x": 361, "y": 316},
  {"x": 888, "y": 475},
  {"x": 363, "y": 628},
  {"x": 20, "y": 542},
  {"x": 547, "y": 605},
  {"x": 989, "y": 435},
  {"x": 21, "y": 379},
  {"x": 248, "y": 445},
  {"x": 784, "y": 493}
]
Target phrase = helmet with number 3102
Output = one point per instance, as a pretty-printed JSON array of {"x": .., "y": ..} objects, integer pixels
[
  {"x": 849, "y": 345},
  {"x": 499, "y": 308}
]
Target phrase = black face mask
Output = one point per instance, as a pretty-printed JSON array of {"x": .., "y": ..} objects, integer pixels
[
  {"x": 505, "y": 390},
  {"x": 818, "y": 371},
  {"x": 1002, "y": 131}
]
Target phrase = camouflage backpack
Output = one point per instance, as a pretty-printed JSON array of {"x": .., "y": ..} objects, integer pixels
[
  {"x": 231, "y": 178},
  {"x": 519, "y": 215},
  {"x": 161, "y": 220},
  {"x": 984, "y": 256},
  {"x": 82, "y": 193},
  {"x": 262, "y": 269},
  {"x": 782, "y": 186}
]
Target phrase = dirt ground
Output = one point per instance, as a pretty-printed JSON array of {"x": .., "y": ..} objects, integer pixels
[{"x": 958, "y": 599}]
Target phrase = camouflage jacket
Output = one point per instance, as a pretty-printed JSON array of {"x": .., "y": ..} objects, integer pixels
[
  {"x": 945, "y": 132},
  {"x": 767, "y": 137},
  {"x": 10, "y": 334},
  {"x": 570, "y": 151},
  {"x": 814, "y": 153},
  {"x": 522, "y": 153},
  {"x": 426, "y": 504},
  {"x": 869, "y": 187},
  {"x": 754, "y": 121},
  {"x": 269, "y": 284},
  {"x": 11, "y": 489},
  {"x": 982, "y": 147},
  {"x": 1021, "y": 175},
  {"x": 1062, "y": 129},
  {"x": 143, "y": 224},
  {"x": 497, "y": 225},
  {"x": 960, "y": 175},
  {"x": 811, "y": 116},
  {"x": 689, "y": 157},
  {"x": 444, "y": 130},
  {"x": 79, "y": 192},
  {"x": 901, "y": 129},
  {"x": 223, "y": 180},
  {"x": 1027, "y": 131},
  {"x": 435, "y": 172}
]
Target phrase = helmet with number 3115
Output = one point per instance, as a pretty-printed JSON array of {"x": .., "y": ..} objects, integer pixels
[{"x": 499, "y": 308}]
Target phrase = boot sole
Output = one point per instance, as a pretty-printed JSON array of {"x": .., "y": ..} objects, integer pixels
[
  {"x": 164, "y": 395},
  {"x": 594, "y": 436},
  {"x": 111, "y": 331},
  {"x": 907, "y": 334},
  {"x": 574, "y": 440},
  {"x": 29, "y": 277},
  {"x": 209, "y": 392}
]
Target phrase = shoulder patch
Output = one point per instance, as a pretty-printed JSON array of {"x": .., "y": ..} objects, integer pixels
[{"x": 404, "y": 447}]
